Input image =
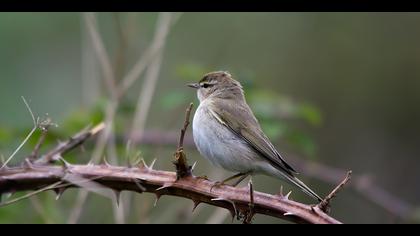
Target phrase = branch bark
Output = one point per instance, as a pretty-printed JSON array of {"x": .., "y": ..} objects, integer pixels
[
  {"x": 242, "y": 203},
  {"x": 361, "y": 183},
  {"x": 236, "y": 200}
]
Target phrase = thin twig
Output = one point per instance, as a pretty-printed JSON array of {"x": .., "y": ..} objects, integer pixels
[
  {"x": 182, "y": 168},
  {"x": 150, "y": 53},
  {"x": 39, "y": 208},
  {"x": 324, "y": 205},
  {"x": 248, "y": 217},
  {"x": 149, "y": 85},
  {"x": 35, "y": 122},
  {"x": 40, "y": 190},
  {"x": 152, "y": 75},
  {"x": 41, "y": 140},
  {"x": 96, "y": 156},
  {"x": 75, "y": 141},
  {"x": 101, "y": 53},
  {"x": 78, "y": 207},
  {"x": 186, "y": 123}
]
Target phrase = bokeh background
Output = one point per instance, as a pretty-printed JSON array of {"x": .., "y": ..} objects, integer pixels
[{"x": 341, "y": 90}]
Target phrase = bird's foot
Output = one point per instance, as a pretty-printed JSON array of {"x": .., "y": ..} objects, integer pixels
[
  {"x": 203, "y": 177},
  {"x": 217, "y": 184}
]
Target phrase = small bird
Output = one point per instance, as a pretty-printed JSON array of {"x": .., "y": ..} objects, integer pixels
[{"x": 227, "y": 133}]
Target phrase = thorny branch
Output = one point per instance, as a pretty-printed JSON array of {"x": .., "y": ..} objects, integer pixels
[
  {"x": 363, "y": 184},
  {"x": 241, "y": 202},
  {"x": 324, "y": 205},
  {"x": 163, "y": 183},
  {"x": 182, "y": 168}
]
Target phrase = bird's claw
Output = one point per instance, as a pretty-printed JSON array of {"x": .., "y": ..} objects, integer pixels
[{"x": 217, "y": 184}]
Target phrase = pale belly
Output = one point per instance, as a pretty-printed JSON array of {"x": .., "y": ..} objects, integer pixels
[{"x": 222, "y": 147}]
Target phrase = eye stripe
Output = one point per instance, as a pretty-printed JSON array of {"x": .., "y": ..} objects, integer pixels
[{"x": 206, "y": 85}]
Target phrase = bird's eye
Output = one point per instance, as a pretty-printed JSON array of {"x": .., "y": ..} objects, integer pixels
[{"x": 205, "y": 85}]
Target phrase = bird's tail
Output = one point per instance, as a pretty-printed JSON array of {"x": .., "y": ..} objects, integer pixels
[{"x": 302, "y": 186}]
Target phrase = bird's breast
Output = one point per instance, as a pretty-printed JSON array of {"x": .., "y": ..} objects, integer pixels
[{"x": 218, "y": 144}]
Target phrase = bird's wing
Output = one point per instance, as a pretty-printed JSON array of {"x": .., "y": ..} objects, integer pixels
[{"x": 249, "y": 130}]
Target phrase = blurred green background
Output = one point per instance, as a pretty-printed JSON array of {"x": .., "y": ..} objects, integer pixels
[{"x": 339, "y": 89}]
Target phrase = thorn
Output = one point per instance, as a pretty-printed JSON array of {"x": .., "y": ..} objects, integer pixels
[
  {"x": 137, "y": 159},
  {"x": 139, "y": 185},
  {"x": 59, "y": 192},
  {"x": 281, "y": 191},
  {"x": 117, "y": 196},
  {"x": 288, "y": 195},
  {"x": 164, "y": 186},
  {"x": 106, "y": 162},
  {"x": 158, "y": 195},
  {"x": 234, "y": 212},
  {"x": 196, "y": 203},
  {"x": 66, "y": 165},
  {"x": 193, "y": 166},
  {"x": 27, "y": 164},
  {"x": 152, "y": 164},
  {"x": 156, "y": 201},
  {"x": 288, "y": 214},
  {"x": 142, "y": 164},
  {"x": 218, "y": 199}
]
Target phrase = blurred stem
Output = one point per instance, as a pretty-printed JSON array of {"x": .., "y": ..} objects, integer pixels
[
  {"x": 152, "y": 74},
  {"x": 90, "y": 78},
  {"x": 78, "y": 207},
  {"x": 40, "y": 210},
  {"x": 101, "y": 53},
  {"x": 120, "y": 58},
  {"x": 219, "y": 216}
]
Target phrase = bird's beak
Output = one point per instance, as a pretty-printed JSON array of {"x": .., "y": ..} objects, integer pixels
[{"x": 194, "y": 85}]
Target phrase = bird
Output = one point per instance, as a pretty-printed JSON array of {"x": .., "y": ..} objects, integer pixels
[{"x": 227, "y": 133}]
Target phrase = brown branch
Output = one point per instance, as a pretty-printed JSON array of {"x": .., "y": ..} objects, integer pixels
[
  {"x": 180, "y": 162},
  {"x": 324, "y": 205},
  {"x": 186, "y": 123},
  {"x": 250, "y": 214},
  {"x": 64, "y": 147},
  {"x": 163, "y": 183},
  {"x": 41, "y": 140},
  {"x": 362, "y": 184},
  {"x": 241, "y": 202}
]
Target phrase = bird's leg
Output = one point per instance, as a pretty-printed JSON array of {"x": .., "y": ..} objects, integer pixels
[{"x": 241, "y": 177}]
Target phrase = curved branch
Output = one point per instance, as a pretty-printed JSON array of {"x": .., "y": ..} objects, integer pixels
[
  {"x": 236, "y": 200},
  {"x": 241, "y": 202},
  {"x": 362, "y": 183}
]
